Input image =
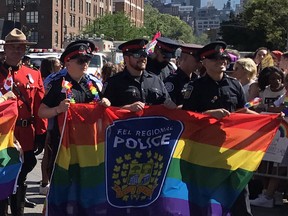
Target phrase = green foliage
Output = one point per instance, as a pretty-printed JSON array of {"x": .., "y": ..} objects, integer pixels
[
  {"x": 119, "y": 27},
  {"x": 262, "y": 23}
]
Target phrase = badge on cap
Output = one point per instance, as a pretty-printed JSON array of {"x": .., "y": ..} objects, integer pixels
[{"x": 30, "y": 78}]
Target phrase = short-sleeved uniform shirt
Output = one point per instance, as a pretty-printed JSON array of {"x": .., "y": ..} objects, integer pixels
[
  {"x": 80, "y": 90},
  {"x": 123, "y": 89},
  {"x": 177, "y": 85},
  {"x": 208, "y": 94}
]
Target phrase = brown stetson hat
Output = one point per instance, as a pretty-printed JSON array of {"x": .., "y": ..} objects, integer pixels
[{"x": 16, "y": 36}]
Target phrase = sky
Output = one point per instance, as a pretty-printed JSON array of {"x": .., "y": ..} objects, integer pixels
[{"x": 219, "y": 3}]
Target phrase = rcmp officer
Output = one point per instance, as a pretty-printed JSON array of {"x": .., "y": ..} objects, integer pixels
[
  {"x": 217, "y": 94},
  {"x": 30, "y": 130},
  {"x": 177, "y": 83},
  {"x": 134, "y": 88},
  {"x": 158, "y": 63}
]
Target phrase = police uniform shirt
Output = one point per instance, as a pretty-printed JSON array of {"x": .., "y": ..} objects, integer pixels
[
  {"x": 80, "y": 90},
  {"x": 162, "y": 70},
  {"x": 207, "y": 94},
  {"x": 123, "y": 89},
  {"x": 177, "y": 84}
]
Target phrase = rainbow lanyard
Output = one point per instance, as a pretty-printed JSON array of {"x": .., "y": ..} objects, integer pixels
[{"x": 67, "y": 88}]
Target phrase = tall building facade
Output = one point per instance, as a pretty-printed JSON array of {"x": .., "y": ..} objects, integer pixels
[
  {"x": 133, "y": 8},
  {"x": 50, "y": 22}
]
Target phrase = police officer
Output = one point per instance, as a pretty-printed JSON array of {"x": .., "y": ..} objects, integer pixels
[
  {"x": 217, "y": 94},
  {"x": 30, "y": 129},
  {"x": 57, "y": 99},
  {"x": 134, "y": 88},
  {"x": 189, "y": 63},
  {"x": 158, "y": 63}
]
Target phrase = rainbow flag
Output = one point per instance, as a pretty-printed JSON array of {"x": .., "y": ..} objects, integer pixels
[
  {"x": 155, "y": 162},
  {"x": 9, "y": 156}
]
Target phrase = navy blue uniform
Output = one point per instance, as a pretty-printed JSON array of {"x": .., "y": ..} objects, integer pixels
[
  {"x": 207, "y": 94},
  {"x": 123, "y": 89},
  {"x": 177, "y": 86},
  {"x": 228, "y": 93}
]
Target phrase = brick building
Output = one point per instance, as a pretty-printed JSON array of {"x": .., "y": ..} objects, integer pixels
[
  {"x": 133, "y": 8},
  {"x": 49, "y": 22}
]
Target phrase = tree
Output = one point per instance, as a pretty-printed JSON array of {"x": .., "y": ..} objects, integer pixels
[
  {"x": 271, "y": 17},
  {"x": 114, "y": 26},
  {"x": 119, "y": 27}
]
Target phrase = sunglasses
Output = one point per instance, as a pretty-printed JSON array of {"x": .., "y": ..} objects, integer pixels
[
  {"x": 139, "y": 55},
  {"x": 82, "y": 59}
]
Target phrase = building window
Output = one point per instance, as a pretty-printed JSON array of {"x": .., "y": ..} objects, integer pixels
[
  {"x": 70, "y": 20},
  {"x": 33, "y": 36},
  {"x": 64, "y": 17},
  {"x": 14, "y": 16},
  {"x": 56, "y": 38},
  {"x": 57, "y": 2},
  {"x": 65, "y": 4},
  {"x": 74, "y": 23},
  {"x": 32, "y": 17},
  {"x": 81, "y": 6},
  {"x": 56, "y": 17}
]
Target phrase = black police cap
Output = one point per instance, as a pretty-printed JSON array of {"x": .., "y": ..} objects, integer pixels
[
  {"x": 191, "y": 49},
  {"x": 214, "y": 50},
  {"x": 133, "y": 45},
  {"x": 167, "y": 44},
  {"x": 78, "y": 48}
]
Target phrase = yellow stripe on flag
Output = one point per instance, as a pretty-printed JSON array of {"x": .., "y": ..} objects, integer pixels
[
  {"x": 85, "y": 156},
  {"x": 217, "y": 157}
]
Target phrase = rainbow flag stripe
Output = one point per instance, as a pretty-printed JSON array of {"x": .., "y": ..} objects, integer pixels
[
  {"x": 209, "y": 162},
  {"x": 9, "y": 156}
]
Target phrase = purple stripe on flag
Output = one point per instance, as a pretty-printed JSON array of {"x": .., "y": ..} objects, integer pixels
[
  {"x": 162, "y": 206},
  {"x": 6, "y": 189}
]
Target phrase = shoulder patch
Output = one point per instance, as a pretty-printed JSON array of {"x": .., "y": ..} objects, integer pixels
[
  {"x": 187, "y": 90},
  {"x": 169, "y": 86}
]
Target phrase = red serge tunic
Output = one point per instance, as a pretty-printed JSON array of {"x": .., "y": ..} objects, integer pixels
[{"x": 28, "y": 87}]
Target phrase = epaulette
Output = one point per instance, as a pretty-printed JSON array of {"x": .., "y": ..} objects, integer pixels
[
  {"x": 93, "y": 78},
  {"x": 55, "y": 76}
]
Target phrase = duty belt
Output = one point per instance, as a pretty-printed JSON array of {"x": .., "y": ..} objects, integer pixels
[{"x": 24, "y": 122}]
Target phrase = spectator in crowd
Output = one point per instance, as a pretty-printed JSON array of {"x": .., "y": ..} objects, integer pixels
[
  {"x": 276, "y": 55},
  {"x": 245, "y": 70},
  {"x": 49, "y": 65},
  {"x": 158, "y": 63},
  {"x": 260, "y": 54},
  {"x": 274, "y": 88},
  {"x": 218, "y": 95},
  {"x": 270, "y": 196},
  {"x": 108, "y": 70},
  {"x": 30, "y": 130},
  {"x": 134, "y": 88},
  {"x": 189, "y": 63}
]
